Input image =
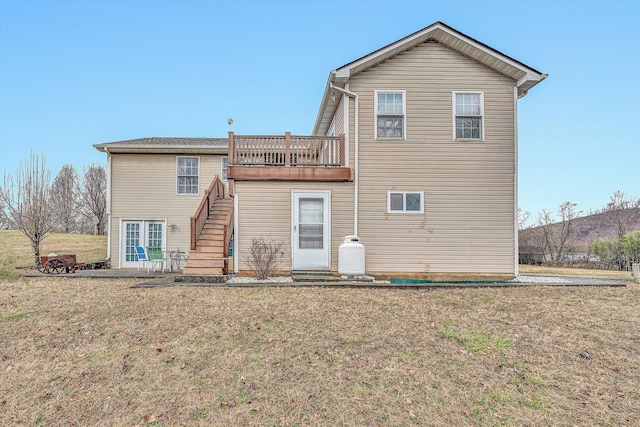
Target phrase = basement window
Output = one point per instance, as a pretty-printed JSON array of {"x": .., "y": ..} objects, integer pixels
[{"x": 405, "y": 201}]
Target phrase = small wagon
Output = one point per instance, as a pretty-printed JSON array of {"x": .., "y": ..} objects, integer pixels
[{"x": 56, "y": 264}]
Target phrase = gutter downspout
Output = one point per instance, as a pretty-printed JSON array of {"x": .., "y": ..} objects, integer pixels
[
  {"x": 356, "y": 161},
  {"x": 515, "y": 185},
  {"x": 106, "y": 149}
]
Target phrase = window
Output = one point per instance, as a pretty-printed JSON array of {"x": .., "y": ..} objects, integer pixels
[
  {"x": 225, "y": 164},
  {"x": 390, "y": 108},
  {"x": 468, "y": 115},
  {"x": 188, "y": 174},
  {"x": 405, "y": 201}
]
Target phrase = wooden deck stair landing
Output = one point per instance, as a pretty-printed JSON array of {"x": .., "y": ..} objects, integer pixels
[{"x": 210, "y": 255}]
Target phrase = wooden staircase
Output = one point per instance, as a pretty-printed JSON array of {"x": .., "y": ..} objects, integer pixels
[{"x": 211, "y": 231}]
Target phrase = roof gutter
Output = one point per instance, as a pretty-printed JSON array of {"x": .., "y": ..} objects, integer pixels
[{"x": 356, "y": 161}]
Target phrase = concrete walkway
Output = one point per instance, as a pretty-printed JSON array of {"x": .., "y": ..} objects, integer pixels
[
  {"x": 156, "y": 279},
  {"x": 530, "y": 280}
]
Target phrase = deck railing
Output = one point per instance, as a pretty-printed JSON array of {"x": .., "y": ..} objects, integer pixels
[
  {"x": 228, "y": 228},
  {"x": 286, "y": 150},
  {"x": 215, "y": 191}
]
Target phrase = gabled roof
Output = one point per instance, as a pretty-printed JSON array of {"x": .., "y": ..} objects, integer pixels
[
  {"x": 163, "y": 145},
  {"x": 525, "y": 76}
]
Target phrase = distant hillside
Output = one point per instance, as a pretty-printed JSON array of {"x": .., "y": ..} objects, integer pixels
[{"x": 587, "y": 229}]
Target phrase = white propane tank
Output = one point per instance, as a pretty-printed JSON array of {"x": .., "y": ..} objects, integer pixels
[{"x": 351, "y": 257}]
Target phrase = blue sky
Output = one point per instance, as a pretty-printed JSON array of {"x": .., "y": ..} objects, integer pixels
[{"x": 75, "y": 73}]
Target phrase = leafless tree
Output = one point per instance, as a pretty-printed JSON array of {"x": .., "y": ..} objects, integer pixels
[
  {"x": 93, "y": 196},
  {"x": 63, "y": 199},
  {"x": 523, "y": 218},
  {"x": 4, "y": 222},
  {"x": 26, "y": 200},
  {"x": 555, "y": 235},
  {"x": 529, "y": 245}
]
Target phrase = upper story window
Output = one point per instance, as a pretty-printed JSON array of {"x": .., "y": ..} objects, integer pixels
[
  {"x": 468, "y": 115},
  {"x": 390, "y": 114},
  {"x": 405, "y": 201},
  {"x": 188, "y": 174},
  {"x": 225, "y": 163}
]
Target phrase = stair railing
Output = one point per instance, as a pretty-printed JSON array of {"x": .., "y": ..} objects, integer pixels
[
  {"x": 214, "y": 192},
  {"x": 228, "y": 229}
]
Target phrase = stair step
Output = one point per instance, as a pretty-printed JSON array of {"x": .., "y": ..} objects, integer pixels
[
  {"x": 205, "y": 263},
  {"x": 212, "y": 236},
  {"x": 202, "y": 271},
  {"x": 212, "y": 226},
  {"x": 209, "y": 249},
  {"x": 202, "y": 255}
]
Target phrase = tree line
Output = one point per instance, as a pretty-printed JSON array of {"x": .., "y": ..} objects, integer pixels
[
  {"x": 37, "y": 206},
  {"x": 550, "y": 239}
]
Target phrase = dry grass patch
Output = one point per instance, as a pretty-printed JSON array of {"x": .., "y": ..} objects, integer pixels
[
  {"x": 583, "y": 272},
  {"x": 97, "y": 352},
  {"x": 15, "y": 248}
]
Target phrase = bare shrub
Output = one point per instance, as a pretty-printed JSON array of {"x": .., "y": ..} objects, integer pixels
[{"x": 263, "y": 256}]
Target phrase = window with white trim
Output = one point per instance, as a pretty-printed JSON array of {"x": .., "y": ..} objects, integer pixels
[
  {"x": 188, "y": 174},
  {"x": 468, "y": 115},
  {"x": 225, "y": 163},
  {"x": 390, "y": 114},
  {"x": 405, "y": 201}
]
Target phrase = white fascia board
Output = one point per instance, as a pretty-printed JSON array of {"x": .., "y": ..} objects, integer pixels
[
  {"x": 413, "y": 39},
  {"x": 165, "y": 149},
  {"x": 323, "y": 106},
  {"x": 430, "y": 32}
]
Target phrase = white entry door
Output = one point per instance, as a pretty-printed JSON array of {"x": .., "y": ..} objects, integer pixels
[
  {"x": 139, "y": 233},
  {"x": 311, "y": 230}
]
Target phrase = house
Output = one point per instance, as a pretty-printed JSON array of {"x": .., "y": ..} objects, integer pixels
[{"x": 414, "y": 150}]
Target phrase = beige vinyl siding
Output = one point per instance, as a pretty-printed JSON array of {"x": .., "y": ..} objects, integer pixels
[
  {"x": 338, "y": 122},
  {"x": 468, "y": 223},
  {"x": 264, "y": 210},
  {"x": 144, "y": 188}
]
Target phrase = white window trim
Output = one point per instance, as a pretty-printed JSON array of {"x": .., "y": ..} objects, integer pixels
[
  {"x": 222, "y": 168},
  {"x": 404, "y": 115},
  {"x": 178, "y": 193},
  {"x": 453, "y": 112},
  {"x": 404, "y": 192}
]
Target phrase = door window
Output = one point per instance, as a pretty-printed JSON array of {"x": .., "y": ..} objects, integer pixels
[{"x": 311, "y": 235}]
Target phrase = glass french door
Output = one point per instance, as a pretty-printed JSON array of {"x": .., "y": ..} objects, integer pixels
[{"x": 139, "y": 233}]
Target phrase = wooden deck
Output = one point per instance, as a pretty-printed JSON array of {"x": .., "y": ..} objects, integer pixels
[{"x": 288, "y": 157}]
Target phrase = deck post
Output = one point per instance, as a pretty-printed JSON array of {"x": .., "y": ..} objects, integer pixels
[
  {"x": 232, "y": 149},
  {"x": 287, "y": 148},
  {"x": 342, "y": 149}
]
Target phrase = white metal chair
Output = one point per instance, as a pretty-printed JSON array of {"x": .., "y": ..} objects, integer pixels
[{"x": 142, "y": 258}]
